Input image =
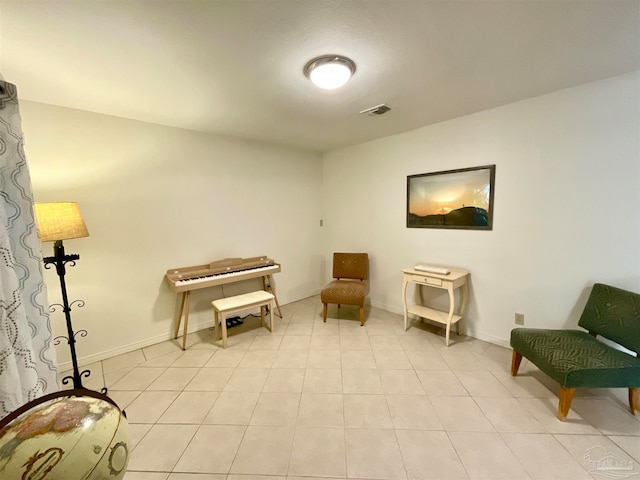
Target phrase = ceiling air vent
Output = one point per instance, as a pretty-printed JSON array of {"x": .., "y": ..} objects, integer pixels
[{"x": 377, "y": 110}]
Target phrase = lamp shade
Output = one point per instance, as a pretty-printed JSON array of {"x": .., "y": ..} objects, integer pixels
[{"x": 60, "y": 221}]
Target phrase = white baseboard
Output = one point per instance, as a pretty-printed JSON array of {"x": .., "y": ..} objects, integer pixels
[
  {"x": 491, "y": 339},
  {"x": 147, "y": 342},
  {"x": 503, "y": 342},
  {"x": 96, "y": 357}
]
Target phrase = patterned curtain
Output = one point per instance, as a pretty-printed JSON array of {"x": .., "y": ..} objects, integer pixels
[{"x": 27, "y": 356}]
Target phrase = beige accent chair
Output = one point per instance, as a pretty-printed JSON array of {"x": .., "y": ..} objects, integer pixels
[{"x": 351, "y": 284}]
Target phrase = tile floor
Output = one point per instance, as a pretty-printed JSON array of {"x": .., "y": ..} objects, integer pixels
[{"x": 339, "y": 401}]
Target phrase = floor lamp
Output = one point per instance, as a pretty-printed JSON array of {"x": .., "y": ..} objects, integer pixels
[{"x": 58, "y": 221}]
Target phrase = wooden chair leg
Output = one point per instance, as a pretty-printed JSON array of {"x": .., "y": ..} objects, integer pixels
[
  {"x": 324, "y": 312},
  {"x": 634, "y": 400},
  {"x": 361, "y": 315},
  {"x": 566, "y": 397},
  {"x": 516, "y": 358}
]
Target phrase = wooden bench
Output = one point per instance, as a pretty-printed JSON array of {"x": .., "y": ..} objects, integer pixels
[
  {"x": 225, "y": 306},
  {"x": 576, "y": 359}
]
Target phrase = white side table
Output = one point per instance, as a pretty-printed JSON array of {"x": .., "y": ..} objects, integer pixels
[{"x": 457, "y": 278}]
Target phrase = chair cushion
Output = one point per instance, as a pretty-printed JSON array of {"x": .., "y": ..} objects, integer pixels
[
  {"x": 576, "y": 359},
  {"x": 346, "y": 292}
]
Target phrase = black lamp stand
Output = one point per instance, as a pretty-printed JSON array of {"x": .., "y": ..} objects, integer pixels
[{"x": 60, "y": 260}]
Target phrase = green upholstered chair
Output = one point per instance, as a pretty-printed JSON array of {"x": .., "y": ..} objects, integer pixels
[
  {"x": 351, "y": 284},
  {"x": 577, "y": 359}
]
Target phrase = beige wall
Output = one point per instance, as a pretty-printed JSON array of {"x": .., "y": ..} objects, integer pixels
[
  {"x": 155, "y": 198},
  {"x": 566, "y": 214}
]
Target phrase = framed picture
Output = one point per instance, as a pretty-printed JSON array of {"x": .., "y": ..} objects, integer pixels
[{"x": 460, "y": 199}]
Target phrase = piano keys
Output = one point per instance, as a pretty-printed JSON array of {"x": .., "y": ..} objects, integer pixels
[
  {"x": 186, "y": 279},
  {"x": 219, "y": 273}
]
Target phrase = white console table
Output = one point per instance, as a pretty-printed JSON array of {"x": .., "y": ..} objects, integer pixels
[{"x": 456, "y": 278}]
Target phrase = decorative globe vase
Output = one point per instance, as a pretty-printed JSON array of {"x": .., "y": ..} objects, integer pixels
[{"x": 69, "y": 435}]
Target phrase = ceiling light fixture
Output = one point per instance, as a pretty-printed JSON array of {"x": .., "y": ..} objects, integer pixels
[{"x": 329, "y": 71}]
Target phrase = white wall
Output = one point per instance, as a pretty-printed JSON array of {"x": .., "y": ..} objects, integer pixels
[
  {"x": 566, "y": 205},
  {"x": 155, "y": 198}
]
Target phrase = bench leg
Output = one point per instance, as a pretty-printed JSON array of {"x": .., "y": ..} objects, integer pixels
[
  {"x": 516, "y": 358},
  {"x": 566, "y": 397},
  {"x": 216, "y": 324},
  {"x": 634, "y": 400},
  {"x": 223, "y": 326},
  {"x": 324, "y": 312},
  {"x": 271, "y": 316},
  {"x": 262, "y": 307}
]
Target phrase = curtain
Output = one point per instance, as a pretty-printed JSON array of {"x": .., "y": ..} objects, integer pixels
[{"x": 27, "y": 357}]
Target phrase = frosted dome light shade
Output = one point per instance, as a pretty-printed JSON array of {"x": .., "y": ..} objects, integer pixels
[
  {"x": 330, "y": 75},
  {"x": 329, "y": 72}
]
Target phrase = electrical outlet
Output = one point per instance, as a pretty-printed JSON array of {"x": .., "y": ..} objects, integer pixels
[{"x": 519, "y": 318}]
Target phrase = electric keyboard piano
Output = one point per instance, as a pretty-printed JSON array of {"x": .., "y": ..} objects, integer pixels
[{"x": 184, "y": 280}]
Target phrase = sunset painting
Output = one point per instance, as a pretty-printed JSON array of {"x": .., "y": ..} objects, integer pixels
[{"x": 451, "y": 199}]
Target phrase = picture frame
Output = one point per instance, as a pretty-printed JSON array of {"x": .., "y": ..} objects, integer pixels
[{"x": 458, "y": 199}]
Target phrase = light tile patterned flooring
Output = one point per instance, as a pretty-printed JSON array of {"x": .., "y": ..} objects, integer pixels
[{"x": 336, "y": 400}]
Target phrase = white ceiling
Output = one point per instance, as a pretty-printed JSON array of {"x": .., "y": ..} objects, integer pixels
[{"x": 234, "y": 67}]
